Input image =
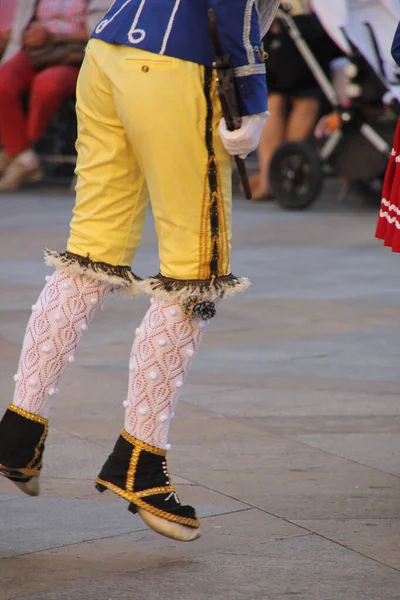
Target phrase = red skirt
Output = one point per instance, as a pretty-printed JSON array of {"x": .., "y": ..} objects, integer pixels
[{"x": 388, "y": 226}]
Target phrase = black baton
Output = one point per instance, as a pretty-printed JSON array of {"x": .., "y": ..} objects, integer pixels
[{"x": 228, "y": 95}]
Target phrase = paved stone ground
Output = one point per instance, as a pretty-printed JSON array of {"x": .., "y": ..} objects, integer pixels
[{"x": 287, "y": 436}]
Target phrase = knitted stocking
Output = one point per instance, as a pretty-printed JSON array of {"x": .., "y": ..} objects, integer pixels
[
  {"x": 162, "y": 352},
  {"x": 62, "y": 312}
]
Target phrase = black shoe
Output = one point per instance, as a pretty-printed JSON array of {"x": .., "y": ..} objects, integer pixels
[
  {"x": 138, "y": 472},
  {"x": 22, "y": 437}
]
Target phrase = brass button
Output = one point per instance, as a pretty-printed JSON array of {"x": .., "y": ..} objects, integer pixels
[{"x": 145, "y": 69}]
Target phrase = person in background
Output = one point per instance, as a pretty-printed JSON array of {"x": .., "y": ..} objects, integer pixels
[
  {"x": 7, "y": 12},
  {"x": 294, "y": 95},
  {"x": 41, "y": 25},
  {"x": 388, "y": 225}
]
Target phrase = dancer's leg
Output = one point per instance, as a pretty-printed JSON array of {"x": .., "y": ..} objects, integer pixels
[
  {"x": 108, "y": 219},
  {"x": 164, "y": 348},
  {"x": 162, "y": 352},
  {"x": 59, "y": 317},
  {"x": 188, "y": 174}
]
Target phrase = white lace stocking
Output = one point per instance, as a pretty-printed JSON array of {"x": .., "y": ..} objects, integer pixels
[
  {"x": 62, "y": 312},
  {"x": 164, "y": 347}
]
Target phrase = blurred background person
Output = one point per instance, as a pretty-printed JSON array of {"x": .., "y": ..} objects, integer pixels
[
  {"x": 7, "y": 12},
  {"x": 388, "y": 225},
  {"x": 41, "y": 63},
  {"x": 295, "y": 98}
]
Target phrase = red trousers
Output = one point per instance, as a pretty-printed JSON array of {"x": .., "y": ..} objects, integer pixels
[{"x": 47, "y": 91}]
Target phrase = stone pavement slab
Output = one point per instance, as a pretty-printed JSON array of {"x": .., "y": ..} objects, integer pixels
[
  {"x": 137, "y": 552},
  {"x": 286, "y": 436},
  {"x": 356, "y": 356},
  {"x": 262, "y": 404},
  {"x": 56, "y": 522},
  {"x": 282, "y": 476},
  {"x": 378, "y": 450},
  {"x": 304, "y": 567},
  {"x": 358, "y": 534}
]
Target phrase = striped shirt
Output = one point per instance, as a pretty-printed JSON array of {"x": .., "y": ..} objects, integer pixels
[
  {"x": 62, "y": 16},
  {"x": 7, "y": 12}
]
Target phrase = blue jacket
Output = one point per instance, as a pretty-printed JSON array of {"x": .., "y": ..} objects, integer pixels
[
  {"x": 396, "y": 46},
  {"x": 179, "y": 28}
]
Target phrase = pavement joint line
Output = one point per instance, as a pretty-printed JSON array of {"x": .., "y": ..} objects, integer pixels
[
  {"x": 351, "y": 460},
  {"x": 303, "y": 443},
  {"x": 239, "y": 422},
  {"x": 145, "y": 530},
  {"x": 310, "y": 531},
  {"x": 266, "y": 543},
  {"x": 342, "y": 545},
  {"x": 50, "y": 478},
  {"x": 76, "y": 437},
  {"x": 311, "y": 387},
  {"x": 304, "y": 338},
  {"x": 354, "y": 519},
  {"x": 314, "y": 389}
]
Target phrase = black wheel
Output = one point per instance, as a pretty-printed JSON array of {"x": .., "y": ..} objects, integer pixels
[{"x": 295, "y": 176}]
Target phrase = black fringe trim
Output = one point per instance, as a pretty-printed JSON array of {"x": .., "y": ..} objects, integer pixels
[
  {"x": 216, "y": 287},
  {"x": 67, "y": 259}
]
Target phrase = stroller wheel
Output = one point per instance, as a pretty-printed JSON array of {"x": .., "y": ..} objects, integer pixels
[{"x": 295, "y": 176}]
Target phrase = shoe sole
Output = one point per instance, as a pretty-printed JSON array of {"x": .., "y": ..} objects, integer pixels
[
  {"x": 169, "y": 529},
  {"x": 31, "y": 487}
]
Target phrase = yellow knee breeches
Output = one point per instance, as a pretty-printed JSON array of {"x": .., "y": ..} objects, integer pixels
[{"x": 148, "y": 131}]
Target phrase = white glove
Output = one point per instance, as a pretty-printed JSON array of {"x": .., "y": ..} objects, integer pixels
[{"x": 246, "y": 139}]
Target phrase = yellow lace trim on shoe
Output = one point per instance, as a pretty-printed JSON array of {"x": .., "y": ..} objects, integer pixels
[
  {"x": 27, "y": 415},
  {"x": 130, "y": 476},
  {"x": 195, "y": 523},
  {"x": 135, "y": 498},
  {"x": 138, "y": 447},
  {"x": 38, "y": 448},
  {"x": 24, "y": 471},
  {"x": 142, "y": 445}
]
